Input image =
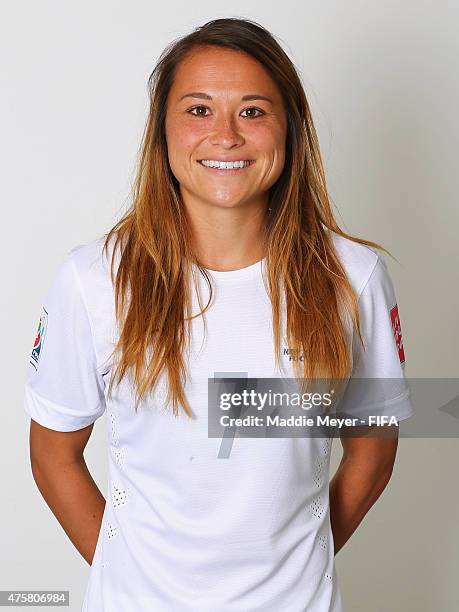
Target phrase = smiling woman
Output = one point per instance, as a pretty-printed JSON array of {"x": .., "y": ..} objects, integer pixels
[
  {"x": 230, "y": 201},
  {"x": 229, "y": 128}
]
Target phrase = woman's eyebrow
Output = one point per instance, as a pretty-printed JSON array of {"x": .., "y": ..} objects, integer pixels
[{"x": 200, "y": 94}]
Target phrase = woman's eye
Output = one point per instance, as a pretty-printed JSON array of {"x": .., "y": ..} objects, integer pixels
[
  {"x": 253, "y": 109},
  {"x": 196, "y": 107},
  {"x": 251, "y": 116}
]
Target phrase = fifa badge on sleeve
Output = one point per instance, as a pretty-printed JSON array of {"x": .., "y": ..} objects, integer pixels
[
  {"x": 397, "y": 329},
  {"x": 39, "y": 339}
]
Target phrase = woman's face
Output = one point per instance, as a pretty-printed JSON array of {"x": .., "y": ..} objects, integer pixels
[{"x": 208, "y": 119}]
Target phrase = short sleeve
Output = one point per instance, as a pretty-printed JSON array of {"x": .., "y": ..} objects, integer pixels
[
  {"x": 378, "y": 385},
  {"x": 64, "y": 387}
]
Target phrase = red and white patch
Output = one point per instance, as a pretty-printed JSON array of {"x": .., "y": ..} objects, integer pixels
[{"x": 397, "y": 329}]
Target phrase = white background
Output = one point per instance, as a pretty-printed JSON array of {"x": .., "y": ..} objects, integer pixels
[{"x": 383, "y": 83}]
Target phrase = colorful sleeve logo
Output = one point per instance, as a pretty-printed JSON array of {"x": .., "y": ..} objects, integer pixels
[
  {"x": 397, "y": 329},
  {"x": 39, "y": 339}
]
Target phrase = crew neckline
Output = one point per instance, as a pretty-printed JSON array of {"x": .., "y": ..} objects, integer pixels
[{"x": 247, "y": 272}]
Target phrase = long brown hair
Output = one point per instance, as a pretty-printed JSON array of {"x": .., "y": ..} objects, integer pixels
[{"x": 156, "y": 247}]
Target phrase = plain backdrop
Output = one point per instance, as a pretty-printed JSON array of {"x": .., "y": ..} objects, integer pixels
[{"x": 382, "y": 79}]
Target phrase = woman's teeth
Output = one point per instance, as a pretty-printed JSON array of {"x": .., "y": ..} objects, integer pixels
[{"x": 210, "y": 163}]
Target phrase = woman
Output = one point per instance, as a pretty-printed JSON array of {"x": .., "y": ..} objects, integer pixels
[{"x": 231, "y": 217}]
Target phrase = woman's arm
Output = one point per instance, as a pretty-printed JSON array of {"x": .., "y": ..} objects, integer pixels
[
  {"x": 363, "y": 474},
  {"x": 61, "y": 475}
]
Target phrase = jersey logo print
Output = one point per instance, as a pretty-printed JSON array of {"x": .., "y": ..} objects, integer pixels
[
  {"x": 39, "y": 339},
  {"x": 397, "y": 329},
  {"x": 292, "y": 354}
]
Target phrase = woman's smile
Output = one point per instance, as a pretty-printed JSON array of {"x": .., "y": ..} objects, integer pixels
[{"x": 226, "y": 168}]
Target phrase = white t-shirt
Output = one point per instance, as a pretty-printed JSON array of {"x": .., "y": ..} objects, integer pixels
[{"x": 191, "y": 524}]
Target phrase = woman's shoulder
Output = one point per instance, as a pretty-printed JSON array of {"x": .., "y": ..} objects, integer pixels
[
  {"x": 358, "y": 260},
  {"x": 91, "y": 263},
  {"x": 92, "y": 259}
]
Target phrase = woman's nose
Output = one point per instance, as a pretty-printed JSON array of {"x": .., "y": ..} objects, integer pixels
[{"x": 225, "y": 132}]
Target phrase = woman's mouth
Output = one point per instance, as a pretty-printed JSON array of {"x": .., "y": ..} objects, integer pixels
[{"x": 228, "y": 167}]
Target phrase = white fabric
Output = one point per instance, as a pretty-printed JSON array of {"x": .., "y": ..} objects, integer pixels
[{"x": 185, "y": 529}]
